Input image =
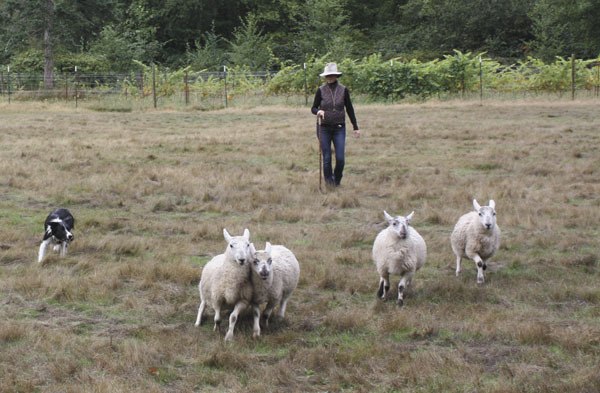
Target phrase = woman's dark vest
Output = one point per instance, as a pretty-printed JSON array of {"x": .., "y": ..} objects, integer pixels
[{"x": 332, "y": 102}]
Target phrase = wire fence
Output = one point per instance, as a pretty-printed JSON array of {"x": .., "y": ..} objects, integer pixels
[{"x": 212, "y": 90}]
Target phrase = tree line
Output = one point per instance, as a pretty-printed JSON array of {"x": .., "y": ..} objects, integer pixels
[{"x": 122, "y": 35}]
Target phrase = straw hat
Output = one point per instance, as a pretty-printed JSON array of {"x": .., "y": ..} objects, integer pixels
[{"x": 330, "y": 69}]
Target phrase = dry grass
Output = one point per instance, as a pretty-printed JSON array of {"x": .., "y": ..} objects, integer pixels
[{"x": 151, "y": 192}]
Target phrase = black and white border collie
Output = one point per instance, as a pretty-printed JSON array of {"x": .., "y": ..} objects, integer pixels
[{"x": 58, "y": 227}]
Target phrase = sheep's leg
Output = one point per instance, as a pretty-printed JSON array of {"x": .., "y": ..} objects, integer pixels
[
  {"x": 458, "y": 259},
  {"x": 217, "y": 317},
  {"x": 42, "y": 251},
  {"x": 256, "y": 317},
  {"x": 267, "y": 313},
  {"x": 282, "y": 306},
  {"x": 200, "y": 311},
  {"x": 404, "y": 281},
  {"x": 481, "y": 266},
  {"x": 239, "y": 307},
  {"x": 384, "y": 286}
]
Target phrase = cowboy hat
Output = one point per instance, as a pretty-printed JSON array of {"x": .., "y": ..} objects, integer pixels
[{"x": 330, "y": 69}]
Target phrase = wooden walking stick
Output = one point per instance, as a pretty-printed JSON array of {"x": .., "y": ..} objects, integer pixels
[{"x": 320, "y": 154}]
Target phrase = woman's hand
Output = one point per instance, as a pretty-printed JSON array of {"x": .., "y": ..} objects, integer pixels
[{"x": 357, "y": 133}]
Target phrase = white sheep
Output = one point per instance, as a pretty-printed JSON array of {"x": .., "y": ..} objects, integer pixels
[
  {"x": 476, "y": 236},
  {"x": 275, "y": 274},
  {"x": 398, "y": 249},
  {"x": 225, "y": 281}
]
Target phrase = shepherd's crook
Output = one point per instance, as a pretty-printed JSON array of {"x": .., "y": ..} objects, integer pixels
[{"x": 320, "y": 154}]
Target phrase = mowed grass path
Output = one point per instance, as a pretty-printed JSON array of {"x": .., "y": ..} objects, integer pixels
[{"x": 152, "y": 191}]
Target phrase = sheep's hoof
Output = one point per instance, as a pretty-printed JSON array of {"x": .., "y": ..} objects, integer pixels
[{"x": 400, "y": 302}]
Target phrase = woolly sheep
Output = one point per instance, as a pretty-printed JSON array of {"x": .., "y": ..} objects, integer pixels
[
  {"x": 225, "y": 281},
  {"x": 400, "y": 250},
  {"x": 476, "y": 236},
  {"x": 275, "y": 274}
]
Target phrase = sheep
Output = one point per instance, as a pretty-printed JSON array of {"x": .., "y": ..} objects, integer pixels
[
  {"x": 398, "y": 249},
  {"x": 225, "y": 281},
  {"x": 476, "y": 236},
  {"x": 275, "y": 274}
]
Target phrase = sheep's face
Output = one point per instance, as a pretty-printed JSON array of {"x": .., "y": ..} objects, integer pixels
[
  {"x": 262, "y": 264},
  {"x": 399, "y": 225},
  {"x": 487, "y": 214},
  {"x": 262, "y": 261},
  {"x": 238, "y": 246}
]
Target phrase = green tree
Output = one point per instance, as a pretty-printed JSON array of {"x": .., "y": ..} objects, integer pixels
[
  {"x": 278, "y": 20},
  {"x": 39, "y": 29},
  {"x": 179, "y": 23},
  {"x": 249, "y": 46},
  {"x": 209, "y": 54},
  {"x": 439, "y": 26},
  {"x": 48, "y": 44},
  {"x": 16, "y": 24},
  {"x": 324, "y": 27},
  {"x": 565, "y": 27},
  {"x": 116, "y": 50},
  {"x": 49, "y": 28},
  {"x": 79, "y": 22},
  {"x": 377, "y": 21}
]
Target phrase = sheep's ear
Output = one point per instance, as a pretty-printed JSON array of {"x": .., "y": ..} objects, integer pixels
[
  {"x": 252, "y": 249},
  {"x": 226, "y": 235},
  {"x": 247, "y": 234},
  {"x": 476, "y": 205},
  {"x": 409, "y": 217},
  {"x": 268, "y": 248},
  {"x": 388, "y": 218},
  {"x": 492, "y": 204}
]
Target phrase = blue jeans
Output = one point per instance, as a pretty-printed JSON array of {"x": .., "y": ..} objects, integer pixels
[{"x": 337, "y": 136}]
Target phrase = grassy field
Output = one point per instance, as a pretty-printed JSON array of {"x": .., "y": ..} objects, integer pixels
[{"x": 152, "y": 191}]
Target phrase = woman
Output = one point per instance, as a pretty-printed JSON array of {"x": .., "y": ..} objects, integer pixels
[{"x": 332, "y": 101}]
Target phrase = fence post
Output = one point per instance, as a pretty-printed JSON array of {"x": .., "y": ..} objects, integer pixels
[
  {"x": 573, "y": 76},
  {"x": 154, "y": 84},
  {"x": 140, "y": 82},
  {"x": 76, "y": 88},
  {"x": 186, "y": 88},
  {"x": 393, "y": 79},
  {"x": 8, "y": 81},
  {"x": 64, "y": 73},
  {"x": 1, "y": 83},
  {"x": 480, "y": 81},
  {"x": 225, "y": 78},
  {"x": 597, "y": 79},
  {"x": 305, "y": 86}
]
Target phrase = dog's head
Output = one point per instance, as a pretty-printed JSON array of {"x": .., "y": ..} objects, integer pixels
[{"x": 59, "y": 231}]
